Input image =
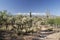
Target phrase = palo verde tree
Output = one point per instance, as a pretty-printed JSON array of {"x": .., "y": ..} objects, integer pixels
[{"x": 51, "y": 21}]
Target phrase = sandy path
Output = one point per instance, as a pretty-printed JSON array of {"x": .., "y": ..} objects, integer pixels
[{"x": 55, "y": 36}]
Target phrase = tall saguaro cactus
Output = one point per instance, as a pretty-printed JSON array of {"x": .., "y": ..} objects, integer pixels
[
  {"x": 30, "y": 15},
  {"x": 47, "y": 15},
  {"x": 30, "y": 19}
]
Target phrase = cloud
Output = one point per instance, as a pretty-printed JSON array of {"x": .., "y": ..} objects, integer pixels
[
  {"x": 38, "y": 13},
  {"x": 31, "y": 13}
]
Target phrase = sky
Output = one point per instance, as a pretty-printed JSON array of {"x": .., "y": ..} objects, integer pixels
[{"x": 35, "y": 6}]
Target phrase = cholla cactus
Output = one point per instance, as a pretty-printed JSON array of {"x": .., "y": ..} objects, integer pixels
[{"x": 19, "y": 23}]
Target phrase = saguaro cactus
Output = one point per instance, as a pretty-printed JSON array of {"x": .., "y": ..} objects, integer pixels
[
  {"x": 30, "y": 19},
  {"x": 30, "y": 14}
]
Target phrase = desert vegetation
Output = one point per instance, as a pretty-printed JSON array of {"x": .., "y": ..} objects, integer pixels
[{"x": 17, "y": 25}]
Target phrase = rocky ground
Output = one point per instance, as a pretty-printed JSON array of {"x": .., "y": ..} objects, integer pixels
[{"x": 4, "y": 35}]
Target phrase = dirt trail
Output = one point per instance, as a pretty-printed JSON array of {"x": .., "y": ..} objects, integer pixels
[{"x": 55, "y": 36}]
